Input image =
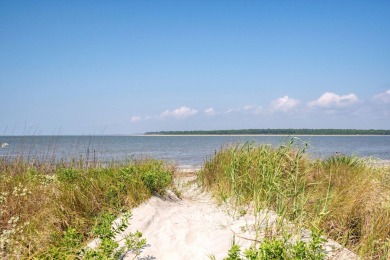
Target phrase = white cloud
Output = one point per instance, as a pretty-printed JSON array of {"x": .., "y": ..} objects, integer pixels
[
  {"x": 383, "y": 97},
  {"x": 135, "y": 119},
  {"x": 246, "y": 110},
  {"x": 284, "y": 104},
  {"x": 232, "y": 110},
  {"x": 210, "y": 111},
  {"x": 179, "y": 113},
  {"x": 329, "y": 99}
]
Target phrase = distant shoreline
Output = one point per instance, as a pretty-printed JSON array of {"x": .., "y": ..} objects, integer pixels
[
  {"x": 275, "y": 132},
  {"x": 286, "y": 135},
  {"x": 197, "y": 135}
]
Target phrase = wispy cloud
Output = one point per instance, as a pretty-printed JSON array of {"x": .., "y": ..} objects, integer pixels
[
  {"x": 284, "y": 104},
  {"x": 135, "y": 119},
  {"x": 179, "y": 113},
  {"x": 332, "y": 100},
  {"x": 210, "y": 111},
  {"x": 383, "y": 97},
  {"x": 246, "y": 110}
]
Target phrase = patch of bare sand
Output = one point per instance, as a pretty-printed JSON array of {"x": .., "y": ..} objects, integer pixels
[{"x": 195, "y": 227}]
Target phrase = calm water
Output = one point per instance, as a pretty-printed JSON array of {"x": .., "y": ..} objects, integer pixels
[{"x": 187, "y": 151}]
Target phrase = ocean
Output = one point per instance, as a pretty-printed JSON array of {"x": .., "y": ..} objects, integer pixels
[{"x": 186, "y": 151}]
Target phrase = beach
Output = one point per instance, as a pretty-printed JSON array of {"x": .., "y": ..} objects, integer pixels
[
  {"x": 194, "y": 226},
  {"x": 245, "y": 195}
]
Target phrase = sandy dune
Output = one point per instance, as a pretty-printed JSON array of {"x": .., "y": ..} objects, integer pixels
[
  {"x": 189, "y": 228},
  {"x": 195, "y": 227}
]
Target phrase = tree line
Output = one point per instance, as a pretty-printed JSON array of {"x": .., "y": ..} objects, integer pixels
[{"x": 269, "y": 131}]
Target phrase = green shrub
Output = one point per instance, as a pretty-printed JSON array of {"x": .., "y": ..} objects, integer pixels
[
  {"x": 68, "y": 175},
  {"x": 281, "y": 249},
  {"x": 156, "y": 181},
  {"x": 108, "y": 248}
]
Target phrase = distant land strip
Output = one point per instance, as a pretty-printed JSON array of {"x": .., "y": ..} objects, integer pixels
[{"x": 276, "y": 132}]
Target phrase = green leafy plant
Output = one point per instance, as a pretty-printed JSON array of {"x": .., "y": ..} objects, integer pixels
[
  {"x": 135, "y": 243},
  {"x": 68, "y": 175},
  {"x": 282, "y": 248},
  {"x": 234, "y": 253},
  {"x": 156, "y": 181},
  {"x": 109, "y": 248}
]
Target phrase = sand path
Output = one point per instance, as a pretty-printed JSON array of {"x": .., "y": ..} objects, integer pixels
[
  {"x": 192, "y": 227},
  {"x": 195, "y": 227}
]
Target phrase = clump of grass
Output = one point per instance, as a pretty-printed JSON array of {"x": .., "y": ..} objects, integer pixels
[
  {"x": 271, "y": 177},
  {"x": 52, "y": 207},
  {"x": 342, "y": 195}
]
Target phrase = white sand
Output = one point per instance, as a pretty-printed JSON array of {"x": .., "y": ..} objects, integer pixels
[
  {"x": 194, "y": 227},
  {"x": 190, "y": 228}
]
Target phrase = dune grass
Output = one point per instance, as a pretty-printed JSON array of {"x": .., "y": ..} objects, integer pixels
[
  {"x": 342, "y": 195},
  {"x": 50, "y": 210}
]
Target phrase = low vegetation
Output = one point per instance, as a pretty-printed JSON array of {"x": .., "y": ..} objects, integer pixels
[
  {"x": 281, "y": 248},
  {"x": 50, "y": 211},
  {"x": 342, "y": 195}
]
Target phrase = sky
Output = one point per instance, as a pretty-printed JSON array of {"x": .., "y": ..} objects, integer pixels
[{"x": 127, "y": 67}]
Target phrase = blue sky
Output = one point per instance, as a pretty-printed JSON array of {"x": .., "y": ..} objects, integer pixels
[{"x": 124, "y": 67}]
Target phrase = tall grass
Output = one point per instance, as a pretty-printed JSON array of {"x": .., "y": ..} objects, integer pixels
[
  {"x": 342, "y": 195},
  {"x": 48, "y": 210}
]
